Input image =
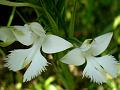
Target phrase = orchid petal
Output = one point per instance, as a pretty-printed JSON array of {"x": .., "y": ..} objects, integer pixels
[
  {"x": 36, "y": 67},
  {"x": 23, "y": 35},
  {"x": 37, "y": 28},
  {"x": 16, "y": 60},
  {"x": 94, "y": 71},
  {"x": 109, "y": 64},
  {"x": 53, "y": 44},
  {"x": 74, "y": 57},
  {"x": 101, "y": 43},
  {"x": 6, "y": 36}
]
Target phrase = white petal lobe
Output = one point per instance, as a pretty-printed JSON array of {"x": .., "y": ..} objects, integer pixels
[
  {"x": 23, "y": 35},
  {"x": 16, "y": 59},
  {"x": 37, "y": 65},
  {"x": 54, "y": 44},
  {"x": 37, "y": 28},
  {"x": 101, "y": 43},
  {"x": 74, "y": 57},
  {"x": 109, "y": 64},
  {"x": 6, "y": 36},
  {"x": 94, "y": 71}
]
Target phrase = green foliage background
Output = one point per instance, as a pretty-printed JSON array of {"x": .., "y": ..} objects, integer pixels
[{"x": 74, "y": 20}]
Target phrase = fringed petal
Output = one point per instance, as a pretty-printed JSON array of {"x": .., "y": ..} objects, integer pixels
[
  {"x": 109, "y": 64},
  {"x": 94, "y": 71},
  {"x": 37, "y": 65},
  {"x": 16, "y": 60}
]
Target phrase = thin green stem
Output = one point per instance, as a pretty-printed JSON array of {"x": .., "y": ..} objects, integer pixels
[
  {"x": 11, "y": 16},
  {"x": 37, "y": 13},
  {"x": 17, "y": 4},
  {"x": 2, "y": 53},
  {"x": 72, "y": 22},
  {"x": 21, "y": 17}
]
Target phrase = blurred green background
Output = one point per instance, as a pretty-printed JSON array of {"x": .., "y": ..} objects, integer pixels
[{"x": 74, "y": 20}]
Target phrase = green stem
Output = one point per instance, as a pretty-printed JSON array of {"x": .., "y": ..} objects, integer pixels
[
  {"x": 11, "y": 16},
  {"x": 72, "y": 22},
  {"x": 37, "y": 13},
  {"x": 2, "y": 53},
  {"x": 17, "y": 4},
  {"x": 21, "y": 17}
]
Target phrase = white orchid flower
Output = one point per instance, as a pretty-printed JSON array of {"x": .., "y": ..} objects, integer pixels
[
  {"x": 6, "y": 36},
  {"x": 16, "y": 33},
  {"x": 96, "y": 67},
  {"x": 20, "y": 58}
]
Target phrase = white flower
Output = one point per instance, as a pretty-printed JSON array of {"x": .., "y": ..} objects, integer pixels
[
  {"x": 20, "y": 58},
  {"x": 16, "y": 33},
  {"x": 96, "y": 67},
  {"x": 6, "y": 36}
]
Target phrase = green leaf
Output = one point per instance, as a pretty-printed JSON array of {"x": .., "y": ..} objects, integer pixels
[
  {"x": 72, "y": 22},
  {"x": 53, "y": 24},
  {"x": 66, "y": 77}
]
